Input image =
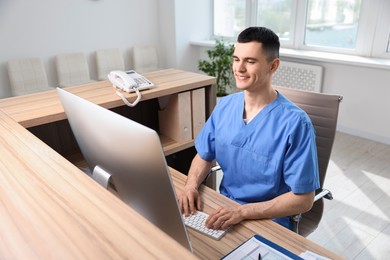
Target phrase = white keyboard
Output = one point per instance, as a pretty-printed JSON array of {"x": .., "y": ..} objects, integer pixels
[{"x": 197, "y": 222}]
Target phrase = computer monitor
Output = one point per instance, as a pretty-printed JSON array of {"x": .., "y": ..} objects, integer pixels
[{"x": 132, "y": 155}]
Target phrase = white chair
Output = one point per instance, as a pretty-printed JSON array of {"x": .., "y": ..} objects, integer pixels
[
  {"x": 27, "y": 76},
  {"x": 72, "y": 69},
  {"x": 145, "y": 58},
  {"x": 108, "y": 60}
]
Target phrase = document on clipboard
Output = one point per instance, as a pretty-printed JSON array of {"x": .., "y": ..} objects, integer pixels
[{"x": 257, "y": 247}]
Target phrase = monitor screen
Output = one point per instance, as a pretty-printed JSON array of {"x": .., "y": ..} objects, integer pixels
[{"x": 131, "y": 154}]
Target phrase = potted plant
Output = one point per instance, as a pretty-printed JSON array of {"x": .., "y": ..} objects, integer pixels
[{"x": 219, "y": 65}]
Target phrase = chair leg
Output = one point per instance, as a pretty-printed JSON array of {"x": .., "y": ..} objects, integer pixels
[{"x": 295, "y": 221}]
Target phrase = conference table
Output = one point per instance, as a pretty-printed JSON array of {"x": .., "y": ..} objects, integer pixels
[{"x": 50, "y": 209}]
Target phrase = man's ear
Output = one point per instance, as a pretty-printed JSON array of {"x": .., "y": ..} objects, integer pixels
[{"x": 275, "y": 65}]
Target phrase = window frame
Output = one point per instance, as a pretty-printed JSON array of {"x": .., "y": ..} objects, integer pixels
[
  {"x": 369, "y": 42},
  {"x": 381, "y": 39}
]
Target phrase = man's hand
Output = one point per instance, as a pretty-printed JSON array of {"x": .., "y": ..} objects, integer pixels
[
  {"x": 189, "y": 200},
  {"x": 287, "y": 204},
  {"x": 222, "y": 218}
]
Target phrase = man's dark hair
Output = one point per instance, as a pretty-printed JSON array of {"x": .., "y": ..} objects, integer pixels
[{"x": 268, "y": 39}]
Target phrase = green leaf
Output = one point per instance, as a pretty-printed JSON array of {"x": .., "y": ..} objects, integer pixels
[{"x": 219, "y": 65}]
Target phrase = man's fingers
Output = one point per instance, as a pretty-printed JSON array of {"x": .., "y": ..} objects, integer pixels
[
  {"x": 191, "y": 205},
  {"x": 199, "y": 204},
  {"x": 184, "y": 206},
  {"x": 211, "y": 220},
  {"x": 220, "y": 219}
]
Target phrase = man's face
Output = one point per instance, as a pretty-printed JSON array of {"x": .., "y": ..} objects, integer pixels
[{"x": 251, "y": 69}]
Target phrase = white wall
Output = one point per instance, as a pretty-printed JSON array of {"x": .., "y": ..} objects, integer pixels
[
  {"x": 167, "y": 29},
  {"x": 180, "y": 22},
  {"x": 193, "y": 22},
  {"x": 45, "y": 28},
  {"x": 365, "y": 108},
  {"x": 365, "y": 90}
]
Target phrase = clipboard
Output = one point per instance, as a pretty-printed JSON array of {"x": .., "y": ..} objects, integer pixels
[{"x": 258, "y": 247}]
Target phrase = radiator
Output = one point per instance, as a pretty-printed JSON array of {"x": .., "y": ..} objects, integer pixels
[{"x": 299, "y": 76}]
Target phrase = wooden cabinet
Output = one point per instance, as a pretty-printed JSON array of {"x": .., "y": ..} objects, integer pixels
[{"x": 172, "y": 106}]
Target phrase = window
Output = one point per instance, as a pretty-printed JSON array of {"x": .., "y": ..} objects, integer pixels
[
  {"x": 340, "y": 26},
  {"x": 229, "y": 17},
  {"x": 233, "y": 16},
  {"x": 276, "y": 15},
  {"x": 332, "y": 23}
]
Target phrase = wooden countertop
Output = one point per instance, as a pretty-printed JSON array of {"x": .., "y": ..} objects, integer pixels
[
  {"x": 45, "y": 107},
  {"x": 51, "y": 210}
]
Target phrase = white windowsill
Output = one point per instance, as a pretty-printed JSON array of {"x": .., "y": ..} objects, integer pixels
[{"x": 321, "y": 56}]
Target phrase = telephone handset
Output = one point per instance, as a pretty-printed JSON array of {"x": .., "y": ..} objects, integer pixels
[{"x": 129, "y": 81}]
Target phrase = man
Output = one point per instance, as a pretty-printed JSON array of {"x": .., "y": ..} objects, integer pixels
[{"x": 264, "y": 144}]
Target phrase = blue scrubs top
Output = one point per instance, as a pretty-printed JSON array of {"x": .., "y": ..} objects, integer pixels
[{"x": 273, "y": 154}]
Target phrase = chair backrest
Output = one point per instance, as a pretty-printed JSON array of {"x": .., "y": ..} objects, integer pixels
[
  {"x": 323, "y": 111},
  {"x": 145, "y": 58},
  {"x": 72, "y": 69},
  {"x": 108, "y": 60},
  {"x": 27, "y": 76}
]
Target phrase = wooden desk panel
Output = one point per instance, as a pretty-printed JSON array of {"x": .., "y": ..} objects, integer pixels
[
  {"x": 43, "y": 114},
  {"x": 45, "y": 107},
  {"x": 208, "y": 248},
  {"x": 51, "y": 210}
]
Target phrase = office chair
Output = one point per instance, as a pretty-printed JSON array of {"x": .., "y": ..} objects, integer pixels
[
  {"x": 108, "y": 60},
  {"x": 145, "y": 58},
  {"x": 27, "y": 76},
  {"x": 72, "y": 69},
  {"x": 323, "y": 111}
]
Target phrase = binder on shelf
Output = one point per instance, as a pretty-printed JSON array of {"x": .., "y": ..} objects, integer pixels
[
  {"x": 175, "y": 119},
  {"x": 198, "y": 105}
]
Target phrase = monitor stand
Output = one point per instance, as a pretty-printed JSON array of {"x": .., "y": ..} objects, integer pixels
[{"x": 101, "y": 176}]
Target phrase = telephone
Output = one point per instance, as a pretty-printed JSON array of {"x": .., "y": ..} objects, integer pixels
[{"x": 129, "y": 81}]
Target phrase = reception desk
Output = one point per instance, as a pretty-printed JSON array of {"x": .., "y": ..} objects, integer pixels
[{"x": 52, "y": 210}]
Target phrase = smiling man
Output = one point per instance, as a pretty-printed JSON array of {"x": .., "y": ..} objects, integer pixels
[{"x": 264, "y": 143}]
